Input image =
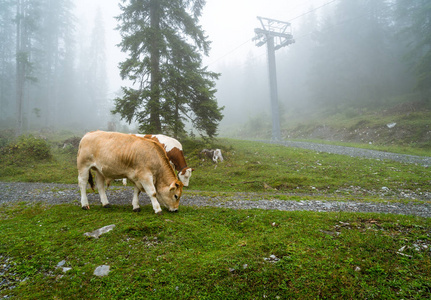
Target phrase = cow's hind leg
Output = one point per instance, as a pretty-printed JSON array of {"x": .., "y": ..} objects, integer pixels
[
  {"x": 100, "y": 183},
  {"x": 135, "y": 201},
  {"x": 82, "y": 182}
]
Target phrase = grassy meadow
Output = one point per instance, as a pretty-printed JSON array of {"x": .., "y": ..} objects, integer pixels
[
  {"x": 215, "y": 253},
  {"x": 248, "y": 167},
  {"x": 209, "y": 253}
]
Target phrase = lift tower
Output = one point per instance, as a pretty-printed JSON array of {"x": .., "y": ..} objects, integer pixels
[{"x": 276, "y": 35}]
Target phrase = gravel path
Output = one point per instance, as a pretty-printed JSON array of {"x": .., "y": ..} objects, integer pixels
[
  {"x": 356, "y": 152},
  {"x": 52, "y": 193}
]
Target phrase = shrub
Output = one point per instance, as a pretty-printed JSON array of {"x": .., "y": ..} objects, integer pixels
[
  {"x": 28, "y": 147},
  {"x": 5, "y": 137}
]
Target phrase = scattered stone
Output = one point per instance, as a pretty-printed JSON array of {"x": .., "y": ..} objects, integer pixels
[
  {"x": 391, "y": 125},
  {"x": 60, "y": 266},
  {"x": 272, "y": 258},
  {"x": 61, "y": 263},
  {"x": 100, "y": 231},
  {"x": 333, "y": 233},
  {"x": 357, "y": 269},
  {"x": 102, "y": 270}
]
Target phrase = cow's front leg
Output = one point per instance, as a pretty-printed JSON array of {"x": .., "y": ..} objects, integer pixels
[
  {"x": 82, "y": 182},
  {"x": 151, "y": 192},
  {"x": 100, "y": 183}
]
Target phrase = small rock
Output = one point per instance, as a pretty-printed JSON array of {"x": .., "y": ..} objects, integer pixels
[
  {"x": 357, "y": 269},
  {"x": 102, "y": 270},
  {"x": 100, "y": 231},
  {"x": 61, "y": 263}
]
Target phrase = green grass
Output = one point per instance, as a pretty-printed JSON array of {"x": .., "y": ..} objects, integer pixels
[
  {"x": 252, "y": 166},
  {"x": 256, "y": 167},
  {"x": 213, "y": 253},
  {"x": 210, "y": 253}
]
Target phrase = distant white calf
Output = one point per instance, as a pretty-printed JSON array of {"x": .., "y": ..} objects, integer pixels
[{"x": 214, "y": 154}]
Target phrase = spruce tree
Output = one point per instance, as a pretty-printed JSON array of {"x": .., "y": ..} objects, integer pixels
[
  {"x": 164, "y": 42},
  {"x": 414, "y": 21}
]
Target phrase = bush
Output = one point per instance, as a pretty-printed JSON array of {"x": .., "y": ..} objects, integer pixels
[
  {"x": 5, "y": 137},
  {"x": 28, "y": 147}
]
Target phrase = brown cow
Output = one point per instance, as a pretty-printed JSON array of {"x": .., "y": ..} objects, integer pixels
[
  {"x": 116, "y": 155},
  {"x": 174, "y": 150}
]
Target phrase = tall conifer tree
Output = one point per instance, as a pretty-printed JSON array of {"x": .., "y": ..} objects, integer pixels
[{"x": 164, "y": 41}]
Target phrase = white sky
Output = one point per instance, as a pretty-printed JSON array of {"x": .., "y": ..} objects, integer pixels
[{"x": 229, "y": 24}]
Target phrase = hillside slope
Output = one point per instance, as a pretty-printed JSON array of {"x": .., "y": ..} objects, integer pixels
[{"x": 406, "y": 124}]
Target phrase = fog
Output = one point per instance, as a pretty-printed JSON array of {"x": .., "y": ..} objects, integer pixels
[{"x": 346, "y": 55}]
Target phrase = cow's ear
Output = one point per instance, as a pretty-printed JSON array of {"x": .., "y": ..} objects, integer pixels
[{"x": 193, "y": 169}]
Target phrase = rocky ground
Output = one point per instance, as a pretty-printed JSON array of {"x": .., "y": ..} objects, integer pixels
[{"x": 52, "y": 193}]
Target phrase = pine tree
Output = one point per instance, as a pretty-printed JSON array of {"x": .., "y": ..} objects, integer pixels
[
  {"x": 7, "y": 60},
  {"x": 97, "y": 68},
  {"x": 353, "y": 62},
  {"x": 163, "y": 40},
  {"x": 54, "y": 59},
  {"x": 414, "y": 21},
  {"x": 27, "y": 23}
]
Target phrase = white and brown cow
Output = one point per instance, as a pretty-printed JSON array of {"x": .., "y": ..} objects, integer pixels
[
  {"x": 116, "y": 155},
  {"x": 174, "y": 150}
]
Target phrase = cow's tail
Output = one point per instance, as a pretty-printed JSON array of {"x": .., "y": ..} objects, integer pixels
[{"x": 90, "y": 180}]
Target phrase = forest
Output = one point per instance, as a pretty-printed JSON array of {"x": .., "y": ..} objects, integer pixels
[
  {"x": 349, "y": 54},
  {"x": 52, "y": 71}
]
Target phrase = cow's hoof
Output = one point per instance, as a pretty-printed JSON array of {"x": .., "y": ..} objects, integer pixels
[
  {"x": 87, "y": 207},
  {"x": 137, "y": 209},
  {"x": 107, "y": 206},
  {"x": 160, "y": 213}
]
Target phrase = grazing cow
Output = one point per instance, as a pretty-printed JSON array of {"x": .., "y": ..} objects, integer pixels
[
  {"x": 174, "y": 150},
  {"x": 116, "y": 155},
  {"x": 213, "y": 154}
]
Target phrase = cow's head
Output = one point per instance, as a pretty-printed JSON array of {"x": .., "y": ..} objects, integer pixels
[
  {"x": 169, "y": 196},
  {"x": 184, "y": 175}
]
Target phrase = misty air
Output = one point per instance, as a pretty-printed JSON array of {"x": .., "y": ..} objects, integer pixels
[{"x": 215, "y": 149}]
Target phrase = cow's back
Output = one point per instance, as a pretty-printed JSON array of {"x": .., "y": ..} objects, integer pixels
[
  {"x": 168, "y": 142},
  {"x": 116, "y": 154}
]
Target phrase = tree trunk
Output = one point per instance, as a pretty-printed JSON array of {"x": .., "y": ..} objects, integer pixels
[
  {"x": 154, "y": 103},
  {"x": 20, "y": 66}
]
